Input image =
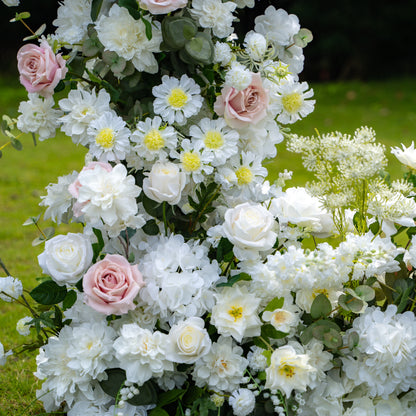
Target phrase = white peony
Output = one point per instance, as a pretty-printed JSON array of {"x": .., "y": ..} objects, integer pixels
[
  {"x": 10, "y": 288},
  {"x": 66, "y": 257},
  {"x": 242, "y": 401},
  {"x": 189, "y": 341}
]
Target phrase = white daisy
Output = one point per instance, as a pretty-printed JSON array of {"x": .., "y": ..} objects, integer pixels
[
  {"x": 176, "y": 100},
  {"x": 153, "y": 139},
  {"x": 109, "y": 137},
  {"x": 217, "y": 138}
]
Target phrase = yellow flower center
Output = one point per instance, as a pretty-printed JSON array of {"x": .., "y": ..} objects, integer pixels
[
  {"x": 236, "y": 312},
  {"x": 244, "y": 175},
  {"x": 280, "y": 317},
  {"x": 287, "y": 371},
  {"x": 292, "y": 102},
  {"x": 191, "y": 161},
  {"x": 213, "y": 139},
  {"x": 153, "y": 140},
  {"x": 105, "y": 138},
  {"x": 319, "y": 292},
  {"x": 177, "y": 98}
]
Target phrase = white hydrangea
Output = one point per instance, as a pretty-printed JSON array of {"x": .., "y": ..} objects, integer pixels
[
  {"x": 121, "y": 33},
  {"x": 214, "y": 14},
  {"x": 10, "y": 288},
  {"x": 243, "y": 402},
  {"x": 222, "y": 369},
  {"x": 38, "y": 116}
]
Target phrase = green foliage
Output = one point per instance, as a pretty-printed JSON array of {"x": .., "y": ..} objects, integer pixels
[
  {"x": 321, "y": 307},
  {"x": 49, "y": 293},
  {"x": 234, "y": 279}
]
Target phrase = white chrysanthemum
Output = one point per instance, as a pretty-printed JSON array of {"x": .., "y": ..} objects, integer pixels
[
  {"x": 384, "y": 358},
  {"x": 195, "y": 160},
  {"x": 72, "y": 20},
  {"x": 10, "y": 288},
  {"x": 107, "y": 195},
  {"x": 257, "y": 360},
  {"x": 82, "y": 107},
  {"x": 22, "y": 326},
  {"x": 214, "y": 14},
  {"x": 142, "y": 354},
  {"x": 153, "y": 140},
  {"x": 222, "y": 369},
  {"x": 217, "y": 138},
  {"x": 222, "y": 53},
  {"x": 38, "y": 116},
  {"x": 176, "y": 100},
  {"x": 288, "y": 370},
  {"x": 121, "y": 33},
  {"x": 235, "y": 313},
  {"x": 277, "y": 25},
  {"x": 109, "y": 138},
  {"x": 406, "y": 155},
  {"x": 256, "y": 45},
  {"x": 242, "y": 401},
  {"x": 58, "y": 199},
  {"x": 238, "y": 76},
  {"x": 292, "y": 101}
]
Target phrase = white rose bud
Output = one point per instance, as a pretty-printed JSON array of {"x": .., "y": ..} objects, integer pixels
[
  {"x": 250, "y": 228},
  {"x": 165, "y": 183},
  {"x": 66, "y": 257},
  {"x": 189, "y": 341}
]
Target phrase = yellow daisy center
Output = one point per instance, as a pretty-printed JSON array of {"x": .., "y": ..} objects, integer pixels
[
  {"x": 287, "y": 370},
  {"x": 177, "y": 98},
  {"x": 191, "y": 161},
  {"x": 213, "y": 139},
  {"x": 153, "y": 140},
  {"x": 105, "y": 138},
  {"x": 292, "y": 102},
  {"x": 236, "y": 312},
  {"x": 244, "y": 175}
]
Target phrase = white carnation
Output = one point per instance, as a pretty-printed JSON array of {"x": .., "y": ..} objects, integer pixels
[
  {"x": 242, "y": 401},
  {"x": 238, "y": 76},
  {"x": 10, "y": 288},
  {"x": 222, "y": 53}
]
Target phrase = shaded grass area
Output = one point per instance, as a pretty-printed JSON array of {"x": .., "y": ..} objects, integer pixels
[{"x": 388, "y": 107}]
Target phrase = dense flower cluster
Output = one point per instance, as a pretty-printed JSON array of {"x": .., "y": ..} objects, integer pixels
[{"x": 194, "y": 288}]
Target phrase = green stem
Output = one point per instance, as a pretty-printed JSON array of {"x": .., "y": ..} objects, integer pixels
[
  {"x": 4, "y": 267},
  {"x": 165, "y": 221}
]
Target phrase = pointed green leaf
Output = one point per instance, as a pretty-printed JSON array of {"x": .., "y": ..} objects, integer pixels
[{"x": 48, "y": 293}]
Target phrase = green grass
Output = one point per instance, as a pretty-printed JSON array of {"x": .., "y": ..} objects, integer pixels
[{"x": 388, "y": 107}]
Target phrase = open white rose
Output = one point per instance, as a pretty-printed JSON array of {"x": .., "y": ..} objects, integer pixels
[
  {"x": 66, "y": 257},
  {"x": 189, "y": 341},
  {"x": 250, "y": 227},
  {"x": 165, "y": 183}
]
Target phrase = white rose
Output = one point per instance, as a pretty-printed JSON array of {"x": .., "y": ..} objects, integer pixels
[
  {"x": 250, "y": 228},
  {"x": 165, "y": 183},
  {"x": 66, "y": 257},
  {"x": 189, "y": 341}
]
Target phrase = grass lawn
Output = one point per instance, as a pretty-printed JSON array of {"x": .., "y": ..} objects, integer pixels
[{"x": 389, "y": 107}]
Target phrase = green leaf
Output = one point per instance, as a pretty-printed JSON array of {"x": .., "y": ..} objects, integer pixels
[
  {"x": 151, "y": 228},
  {"x": 148, "y": 26},
  {"x": 32, "y": 220},
  {"x": 115, "y": 379},
  {"x": 146, "y": 396},
  {"x": 258, "y": 342},
  {"x": 69, "y": 300},
  {"x": 350, "y": 303},
  {"x": 131, "y": 6},
  {"x": 276, "y": 303},
  {"x": 303, "y": 37},
  {"x": 16, "y": 144},
  {"x": 20, "y": 16},
  {"x": 49, "y": 232},
  {"x": 224, "y": 247},
  {"x": 158, "y": 412},
  {"x": 48, "y": 293},
  {"x": 269, "y": 331},
  {"x": 332, "y": 339},
  {"x": 375, "y": 227},
  {"x": 177, "y": 30},
  {"x": 170, "y": 397},
  {"x": 365, "y": 293},
  {"x": 95, "y": 9},
  {"x": 321, "y": 307},
  {"x": 235, "y": 279},
  {"x": 38, "y": 240},
  {"x": 98, "y": 246},
  {"x": 200, "y": 48},
  {"x": 353, "y": 340}
]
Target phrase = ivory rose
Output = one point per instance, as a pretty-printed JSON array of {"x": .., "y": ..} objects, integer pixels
[
  {"x": 111, "y": 285},
  {"x": 162, "y": 6},
  {"x": 240, "y": 108},
  {"x": 40, "y": 69}
]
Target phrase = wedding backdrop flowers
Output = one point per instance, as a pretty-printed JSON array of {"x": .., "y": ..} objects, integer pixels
[{"x": 197, "y": 287}]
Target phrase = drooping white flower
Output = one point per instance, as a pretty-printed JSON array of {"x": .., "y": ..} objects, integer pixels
[
  {"x": 10, "y": 288},
  {"x": 11, "y": 3},
  {"x": 3, "y": 355},
  {"x": 22, "y": 326},
  {"x": 176, "y": 100},
  {"x": 406, "y": 155},
  {"x": 38, "y": 116},
  {"x": 121, "y": 33},
  {"x": 242, "y": 401}
]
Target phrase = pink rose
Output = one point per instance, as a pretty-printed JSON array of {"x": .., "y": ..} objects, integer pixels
[
  {"x": 162, "y": 6},
  {"x": 40, "y": 69},
  {"x": 240, "y": 108},
  {"x": 111, "y": 285}
]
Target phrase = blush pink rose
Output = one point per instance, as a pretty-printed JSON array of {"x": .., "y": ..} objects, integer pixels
[
  {"x": 111, "y": 285},
  {"x": 40, "y": 69},
  {"x": 240, "y": 108},
  {"x": 162, "y": 6}
]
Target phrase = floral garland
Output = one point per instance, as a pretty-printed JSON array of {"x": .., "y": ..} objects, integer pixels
[{"x": 193, "y": 288}]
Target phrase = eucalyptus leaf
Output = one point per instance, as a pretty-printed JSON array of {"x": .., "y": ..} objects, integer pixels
[
  {"x": 332, "y": 339},
  {"x": 201, "y": 49},
  {"x": 321, "y": 307},
  {"x": 365, "y": 293},
  {"x": 353, "y": 340},
  {"x": 49, "y": 232}
]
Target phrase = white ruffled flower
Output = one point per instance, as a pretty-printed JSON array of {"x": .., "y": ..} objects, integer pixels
[
  {"x": 121, "y": 33},
  {"x": 242, "y": 401},
  {"x": 257, "y": 360},
  {"x": 66, "y": 257},
  {"x": 406, "y": 155},
  {"x": 176, "y": 100},
  {"x": 235, "y": 313},
  {"x": 109, "y": 138},
  {"x": 214, "y": 14},
  {"x": 238, "y": 76},
  {"x": 142, "y": 354},
  {"x": 22, "y": 326},
  {"x": 222, "y": 369},
  {"x": 38, "y": 116},
  {"x": 10, "y": 288},
  {"x": 256, "y": 45},
  {"x": 222, "y": 53},
  {"x": 81, "y": 108}
]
